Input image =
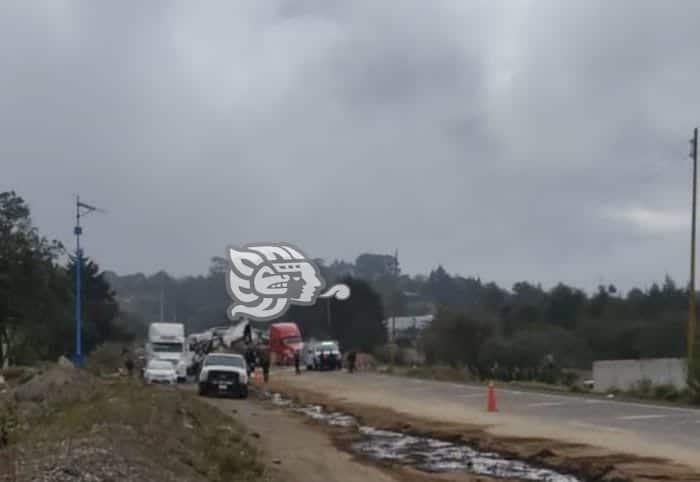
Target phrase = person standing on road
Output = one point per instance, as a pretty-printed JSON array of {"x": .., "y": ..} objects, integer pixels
[
  {"x": 265, "y": 363},
  {"x": 297, "y": 362},
  {"x": 250, "y": 361},
  {"x": 128, "y": 361},
  {"x": 352, "y": 356}
]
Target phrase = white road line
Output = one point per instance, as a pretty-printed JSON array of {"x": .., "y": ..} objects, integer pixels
[
  {"x": 593, "y": 401},
  {"x": 545, "y": 404},
  {"x": 641, "y": 417}
]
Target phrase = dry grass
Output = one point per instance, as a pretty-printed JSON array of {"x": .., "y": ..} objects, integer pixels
[{"x": 160, "y": 432}]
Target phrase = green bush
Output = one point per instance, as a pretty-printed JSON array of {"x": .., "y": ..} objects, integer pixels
[
  {"x": 666, "y": 392},
  {"x": 644, "y": 387},
  {"x": 569, "y": 378},
  {"x": 383, "y": 354}
]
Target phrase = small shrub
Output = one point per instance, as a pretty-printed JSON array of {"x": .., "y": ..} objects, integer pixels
[
  {"x": 666, "y": 392},
  {"x": 644, "y": 387},
  {"x": 548, "y": 376},
  {"x": 384, "y": 354},
  {"x": 569, "y": 378}
]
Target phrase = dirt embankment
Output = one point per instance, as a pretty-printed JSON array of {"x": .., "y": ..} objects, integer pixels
[
  {"x": 297, "y": 449},
  {"x": 587, "y": 462},
  {"x": 65, "y": 424}
]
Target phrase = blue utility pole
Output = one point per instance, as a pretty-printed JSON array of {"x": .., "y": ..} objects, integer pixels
[{"x": 78, "y": 357}]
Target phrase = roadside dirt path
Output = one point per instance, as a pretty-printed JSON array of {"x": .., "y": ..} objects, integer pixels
[
  {"x": 297, "y": 449},
  {"x": 294, "y": 451},
  {"x": 620, "y": 456}
]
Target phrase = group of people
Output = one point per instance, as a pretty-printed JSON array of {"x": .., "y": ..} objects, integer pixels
[
  {"x": 254, "y": 358},
  {"x": 352, "y": 358}
]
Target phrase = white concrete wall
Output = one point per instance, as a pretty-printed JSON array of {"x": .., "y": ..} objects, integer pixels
[{"x": 625, "y": 374}]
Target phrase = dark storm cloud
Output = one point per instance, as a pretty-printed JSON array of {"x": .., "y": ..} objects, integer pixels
[{"x": 514, "y": 140}]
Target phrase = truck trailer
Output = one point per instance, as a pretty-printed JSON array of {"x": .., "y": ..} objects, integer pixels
[{"x": 166, "y": 341}]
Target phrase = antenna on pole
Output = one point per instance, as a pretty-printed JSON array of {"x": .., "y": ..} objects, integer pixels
[{"x": 78, "y": 230}]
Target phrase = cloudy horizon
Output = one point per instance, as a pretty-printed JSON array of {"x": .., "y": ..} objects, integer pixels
[{"x": 521, "y": 140}]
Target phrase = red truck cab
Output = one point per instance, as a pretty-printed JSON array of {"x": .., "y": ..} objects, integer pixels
[{"x": 285, "y": 339}]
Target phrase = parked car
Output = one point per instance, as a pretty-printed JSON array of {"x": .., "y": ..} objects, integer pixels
[
  {"x": 160, "y": 371},
  {"x": 223, "y": 373}
]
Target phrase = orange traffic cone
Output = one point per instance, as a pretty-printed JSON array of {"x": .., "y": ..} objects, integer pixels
[{"x": 491, "y": 398}]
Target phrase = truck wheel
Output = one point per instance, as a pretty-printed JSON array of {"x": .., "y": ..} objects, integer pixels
[
  {"x": 244, "y": 391},
  {"x": 202, "y": 389}
]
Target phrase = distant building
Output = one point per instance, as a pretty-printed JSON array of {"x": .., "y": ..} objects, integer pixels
[{"x": 407, "y": 323}]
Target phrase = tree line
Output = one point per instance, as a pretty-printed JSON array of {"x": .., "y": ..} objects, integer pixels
[
  {"x": 477, "y": 324},
  {"x": 37, "y": 297},
  {"x": 200, "y": 303}
]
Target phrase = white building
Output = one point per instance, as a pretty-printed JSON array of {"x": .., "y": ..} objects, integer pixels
[{"x": 403, "y": 323}]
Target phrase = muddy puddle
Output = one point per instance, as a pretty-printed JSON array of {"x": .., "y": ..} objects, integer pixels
[{"x": 424, "y": 453}]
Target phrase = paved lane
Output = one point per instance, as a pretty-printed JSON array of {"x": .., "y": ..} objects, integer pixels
[
  {"x": 678, "y": 424},
  {"x": 585, "y": 418}
]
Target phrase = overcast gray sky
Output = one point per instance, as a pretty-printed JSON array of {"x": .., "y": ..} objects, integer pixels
[{"x": 538, "y": 140}]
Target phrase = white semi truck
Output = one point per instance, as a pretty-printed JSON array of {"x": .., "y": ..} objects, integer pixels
[{"x": 166, "y": 341}]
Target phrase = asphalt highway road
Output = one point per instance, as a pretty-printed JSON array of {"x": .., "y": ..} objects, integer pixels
[
  {"x": 647, "y": 423},
  {"x": 673, "y": 424}
]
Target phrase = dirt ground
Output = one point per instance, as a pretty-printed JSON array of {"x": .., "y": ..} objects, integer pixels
[
  {"x": 584, "y": 459},
  {"x": 295, "y": 448},
  {"x": 65, "y": 425}
]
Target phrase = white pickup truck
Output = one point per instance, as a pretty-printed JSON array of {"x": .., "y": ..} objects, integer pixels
[{"x": 224, "y": 373}]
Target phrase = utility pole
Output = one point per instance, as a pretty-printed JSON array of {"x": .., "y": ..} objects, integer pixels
[
  {"x": 394, "y": 302},
  {"x": 328, "y": 311},
  {"x": 395, "y": 272},
  {"x": 78, "y": 230},
  {"x": 162, "y": 303},
  {"x": 692, "y": 309}
]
